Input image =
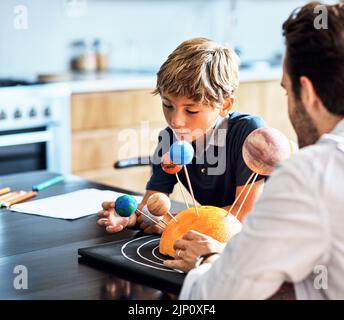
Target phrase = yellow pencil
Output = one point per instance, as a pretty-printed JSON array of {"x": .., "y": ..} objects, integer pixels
[
  {"x": 4, "y": 191},
  {"x": 22, "y": 198}
]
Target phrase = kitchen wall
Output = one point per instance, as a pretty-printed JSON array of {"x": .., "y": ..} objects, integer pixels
[
  {"x": 140, "y": 33},
  {"x": 258, "y": 27}
]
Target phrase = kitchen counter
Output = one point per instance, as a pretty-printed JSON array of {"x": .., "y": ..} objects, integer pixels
[
  {"x": 112, "y": 83},
  {"x": 260, "y": 74},
  {"x": 137, "y": 81},
  {"x": 121, "y": 81}
]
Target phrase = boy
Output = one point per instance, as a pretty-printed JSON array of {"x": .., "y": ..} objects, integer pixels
[{"x": 196, "y": 85}]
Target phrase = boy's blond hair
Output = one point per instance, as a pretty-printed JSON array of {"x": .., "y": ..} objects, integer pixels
[{"x": 201, "y": 70}]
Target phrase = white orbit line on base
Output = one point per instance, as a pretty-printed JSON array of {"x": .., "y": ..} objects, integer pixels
[
  {"x": 154, "y": 255},
  {"x": 138, "y": 252},
  {"x": 145, "y": 264},
  {"x": 144, "y": 258}
]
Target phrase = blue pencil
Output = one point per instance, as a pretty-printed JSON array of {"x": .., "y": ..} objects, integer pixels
[{"x": 48, "y": 183}]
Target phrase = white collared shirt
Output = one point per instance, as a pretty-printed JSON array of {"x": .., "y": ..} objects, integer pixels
[{"x": 294, "y": 234}]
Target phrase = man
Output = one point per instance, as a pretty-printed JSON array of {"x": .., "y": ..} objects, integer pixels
[{"x": 295, "y": 232}]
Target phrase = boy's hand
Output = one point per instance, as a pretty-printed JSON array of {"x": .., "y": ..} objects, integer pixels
[
  {"x": 112, "y": 221},
  {"x": 149, "y": 228}
]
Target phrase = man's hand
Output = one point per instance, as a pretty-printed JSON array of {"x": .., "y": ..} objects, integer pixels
[
  {"x": 111, "y": 220},
  {"x": 192, "y": 245}
]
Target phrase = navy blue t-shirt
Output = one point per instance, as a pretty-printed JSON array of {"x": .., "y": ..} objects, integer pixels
[{"x": 218, "y": 166}]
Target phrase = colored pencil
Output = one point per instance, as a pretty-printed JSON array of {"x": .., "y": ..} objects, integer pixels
[
  {"x": 4, "y": 191},
  {"x": 11, "y": 196},
  {"x": 47, "y": 183},
  {"x": 22, "y": 198}
]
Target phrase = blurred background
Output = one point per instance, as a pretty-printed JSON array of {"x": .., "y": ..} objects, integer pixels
[
  {"x": 76, "y": 76},
  {"x": 135, "y": 35}
]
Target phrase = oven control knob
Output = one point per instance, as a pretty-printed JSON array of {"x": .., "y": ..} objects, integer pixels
[
  {"x": 32, "y": 113},
  {"x": 47, "y": 112},
  {"x": 3, "y": 115},
  {"x": 17, "y": 114}
]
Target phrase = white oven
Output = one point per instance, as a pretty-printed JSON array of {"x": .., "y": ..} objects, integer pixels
[{"x": 35, "y": 128}]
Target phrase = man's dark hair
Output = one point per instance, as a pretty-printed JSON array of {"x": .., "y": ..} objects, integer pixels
[{"x": 317, "y": 53}]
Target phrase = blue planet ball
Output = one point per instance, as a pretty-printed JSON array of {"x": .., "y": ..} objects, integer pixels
[
  {"x": 125, "y": 205},
  {"x": 181, "y": 152}
]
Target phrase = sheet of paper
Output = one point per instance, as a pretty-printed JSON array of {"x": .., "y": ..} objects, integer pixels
[{"x": 71, "y": 205}]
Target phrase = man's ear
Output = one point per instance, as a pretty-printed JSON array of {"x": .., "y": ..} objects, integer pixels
[
  {"x": 227, "y": 106},
  {"x": 308, "y": 95}
]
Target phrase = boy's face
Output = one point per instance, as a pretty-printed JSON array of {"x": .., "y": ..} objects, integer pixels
[{"x": 189, "y": 119}]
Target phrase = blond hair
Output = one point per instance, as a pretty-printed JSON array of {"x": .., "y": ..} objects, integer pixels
[{"x": 201, "y": 70}]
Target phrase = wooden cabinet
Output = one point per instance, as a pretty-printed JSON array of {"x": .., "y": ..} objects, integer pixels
[
  {"x": 249, "y": 98},
  {"x": 267, "y": 100},
  {"x": 96, "y": 149},
  {"x": 110, "y": 126},
  {"x": 276, "y": 109},
  {"x": 116, "y": 109}
]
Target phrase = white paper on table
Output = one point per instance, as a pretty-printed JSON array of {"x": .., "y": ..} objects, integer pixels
[{"x": 71, "y": 205}]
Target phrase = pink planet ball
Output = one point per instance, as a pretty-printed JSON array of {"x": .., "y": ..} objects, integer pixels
[{"x": 264, "y": 149}]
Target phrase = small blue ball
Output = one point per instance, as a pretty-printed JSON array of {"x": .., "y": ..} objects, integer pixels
[
  {"x": 181, "y": 152},
  {"x": 125, "y": 205}
]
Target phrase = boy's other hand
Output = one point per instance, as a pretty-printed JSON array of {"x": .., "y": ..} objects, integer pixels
[{"x": 150, "y": 228}]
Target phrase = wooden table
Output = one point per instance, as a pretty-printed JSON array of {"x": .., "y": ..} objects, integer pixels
[{"x": 48, "y": 247}]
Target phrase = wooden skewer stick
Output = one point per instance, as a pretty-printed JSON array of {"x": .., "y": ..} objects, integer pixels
[
  {"x": 162, "y": 220},
  {"x": 151, "y": 219},
  {"x": 189, "y": 183},
  {"x": 246, "y": 195},
  {"x": 182, "y": 191},
  {"x": 241, "y": 192},
  {"x": 172, "y": 216}
]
